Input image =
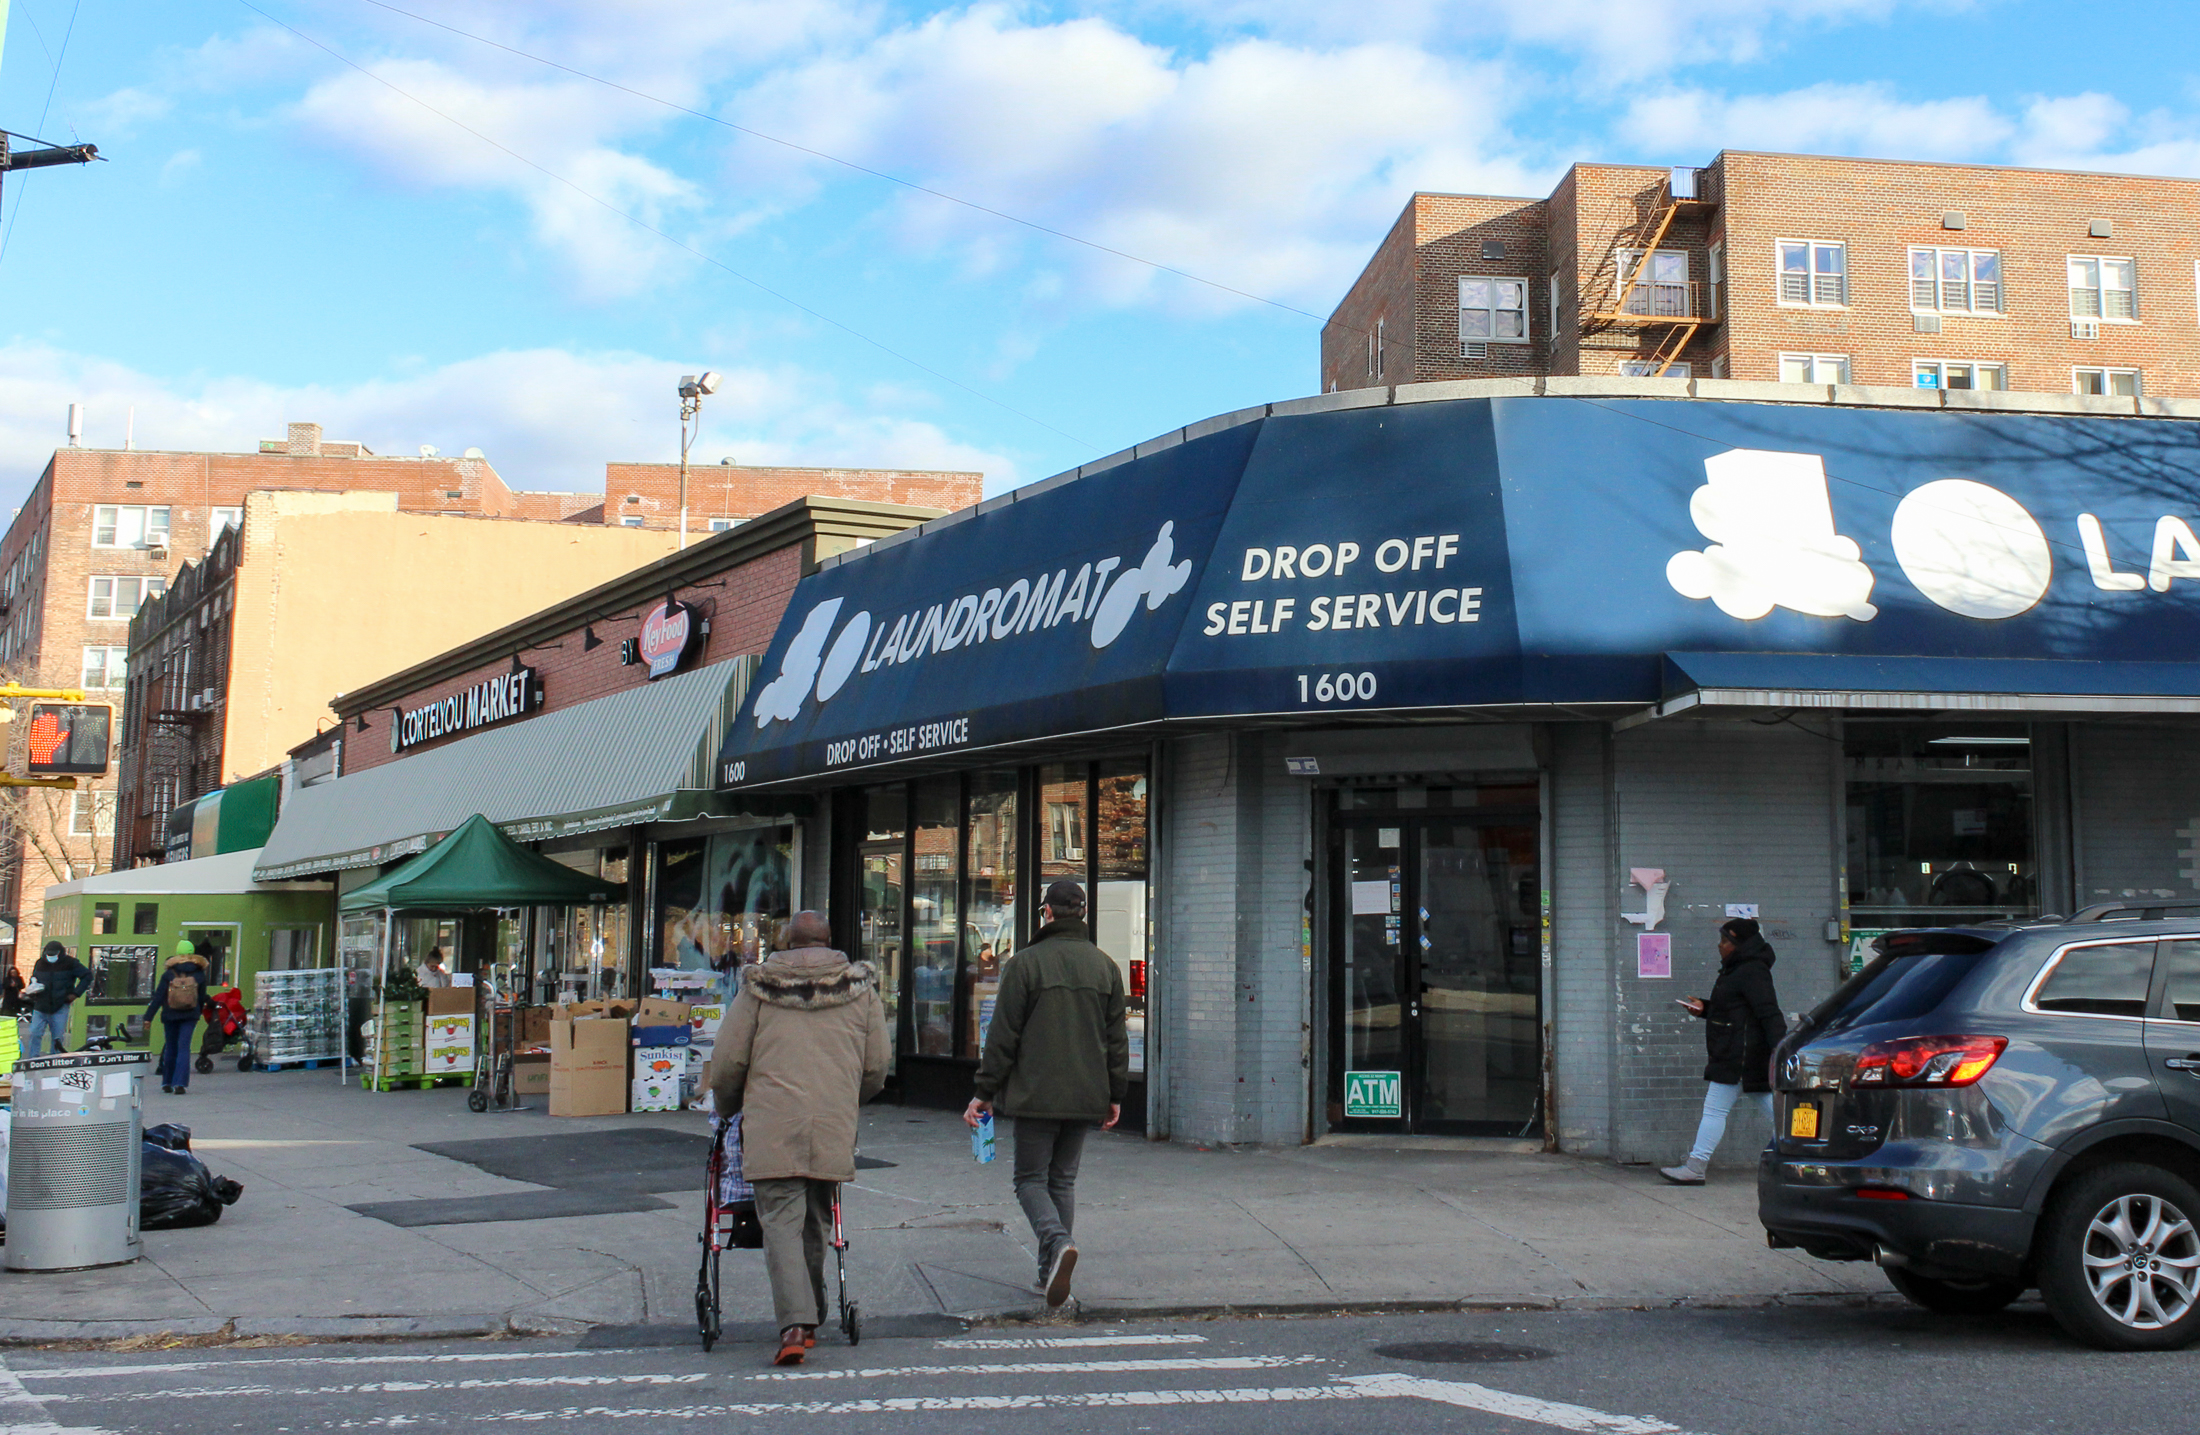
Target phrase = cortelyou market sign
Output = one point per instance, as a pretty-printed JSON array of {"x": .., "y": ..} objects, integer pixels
[{"x": 482, "y": 705}]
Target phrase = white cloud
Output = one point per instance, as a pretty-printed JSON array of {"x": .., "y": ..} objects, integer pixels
[
  {"x": 1867, "y": 119},
  {"x": 1270, "y": 166},
  {"x": 547, "y": 418}
]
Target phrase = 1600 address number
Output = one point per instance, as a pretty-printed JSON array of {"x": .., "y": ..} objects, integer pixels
[{"x": 1336, "y": 687}]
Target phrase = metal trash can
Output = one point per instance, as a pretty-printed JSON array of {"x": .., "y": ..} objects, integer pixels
[{"x": 73, "y": 1161}]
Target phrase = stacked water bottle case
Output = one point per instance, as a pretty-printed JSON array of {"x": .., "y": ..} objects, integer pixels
[{"x": 298, "y": 1017}]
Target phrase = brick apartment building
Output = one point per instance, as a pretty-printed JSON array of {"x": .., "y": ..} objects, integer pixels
[
  {"x": 726, "y": 495},
  {"x": 1790, "y": 267},
  {"x": 102, "y": 530},
  {"x": 315, "y": 593}
]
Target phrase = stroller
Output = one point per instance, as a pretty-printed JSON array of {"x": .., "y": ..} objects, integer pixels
[
  {"x": 226, "y": 1021},
  {"x": 729, "y": 1219}
]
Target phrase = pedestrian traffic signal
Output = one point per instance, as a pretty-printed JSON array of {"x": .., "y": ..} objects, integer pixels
[{"x": 70, "y": 738}]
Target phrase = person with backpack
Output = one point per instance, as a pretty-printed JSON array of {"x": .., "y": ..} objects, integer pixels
[{"x": 177, "y": 1001}]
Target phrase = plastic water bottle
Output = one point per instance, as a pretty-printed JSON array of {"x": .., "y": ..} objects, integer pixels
[{"x": 981, "y": 1138}]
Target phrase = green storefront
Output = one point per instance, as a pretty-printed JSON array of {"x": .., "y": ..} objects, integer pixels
[{"x": 125, "y": 925}]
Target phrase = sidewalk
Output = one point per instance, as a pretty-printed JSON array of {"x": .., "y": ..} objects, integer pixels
[{"x": 1165, "y": 1228}]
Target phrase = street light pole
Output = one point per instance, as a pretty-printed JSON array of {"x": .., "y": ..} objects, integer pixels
[{"x": 692, "y": 389}]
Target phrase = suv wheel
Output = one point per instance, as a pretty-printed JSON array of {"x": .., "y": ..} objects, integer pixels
[
  {"x": 1955, "y": 1297},
  {"x": 2119, "y": 1258}
]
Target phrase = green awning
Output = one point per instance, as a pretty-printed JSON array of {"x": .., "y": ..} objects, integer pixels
[{"x": 478, "y": 866}]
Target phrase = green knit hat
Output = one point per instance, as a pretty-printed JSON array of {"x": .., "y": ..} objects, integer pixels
[{"x": 185, "y": 949}]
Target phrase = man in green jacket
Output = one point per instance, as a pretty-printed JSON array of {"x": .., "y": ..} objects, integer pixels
[{"x": 1057, "y": 1060}]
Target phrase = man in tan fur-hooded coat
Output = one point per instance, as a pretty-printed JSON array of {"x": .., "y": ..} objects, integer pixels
[{"x": 803, "y": 1048}]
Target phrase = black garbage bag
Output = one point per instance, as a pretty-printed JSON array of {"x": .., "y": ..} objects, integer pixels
[
  {"x": 172, "y": 1134},
  {"x": 176, "y": 1190}
]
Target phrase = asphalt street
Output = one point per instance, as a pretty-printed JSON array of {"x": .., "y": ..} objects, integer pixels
[{"x": 1842, "y": 1371}]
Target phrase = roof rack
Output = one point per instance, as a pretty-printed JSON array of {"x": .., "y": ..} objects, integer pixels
[{"x": 2133, "y": 911}]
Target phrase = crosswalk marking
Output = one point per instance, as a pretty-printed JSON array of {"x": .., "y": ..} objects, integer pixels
[
  {"x": 177, "y": 1367},
  {"x": 22, "y": 1413},
  {"x": 1084, "y": 1400},
  {"x": 1051, "y": 1367},
  {"x": 1518, "y": 1407},
  {"x": 1064, "y": 1342},
  {"x": 400, "y": 1387}
]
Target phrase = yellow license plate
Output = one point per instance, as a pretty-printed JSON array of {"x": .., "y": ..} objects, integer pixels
[{"x": 1803, "y": 1121}]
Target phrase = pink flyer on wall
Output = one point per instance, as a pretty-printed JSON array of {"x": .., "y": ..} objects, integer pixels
[{"x": 1654, "y": 954}]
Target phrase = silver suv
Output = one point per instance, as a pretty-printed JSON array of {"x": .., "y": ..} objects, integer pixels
[{"x": 1985, "y": 1110}]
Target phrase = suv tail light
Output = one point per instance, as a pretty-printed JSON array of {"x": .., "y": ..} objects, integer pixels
[{"x": 1928, "y": 1060}]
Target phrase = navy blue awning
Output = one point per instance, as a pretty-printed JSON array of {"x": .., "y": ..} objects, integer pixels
[{"x": 1325, "y": 560}]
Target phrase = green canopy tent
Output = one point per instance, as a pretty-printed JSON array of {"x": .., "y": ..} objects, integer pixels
[{"x": 474, "y": 868}]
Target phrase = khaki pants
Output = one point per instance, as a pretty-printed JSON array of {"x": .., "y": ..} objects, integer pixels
[{"x": 796, "y": 1214}]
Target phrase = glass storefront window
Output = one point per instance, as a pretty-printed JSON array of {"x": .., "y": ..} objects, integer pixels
[
  {"x": 1061, "y": 825},
  {"x": 1940, "y": 823},
  {"x": 1120, "y": 891},
  {"x": 935, "y": 928},
  {"x": 990, "y": 926},
  {"x": 879, "y": 895}
]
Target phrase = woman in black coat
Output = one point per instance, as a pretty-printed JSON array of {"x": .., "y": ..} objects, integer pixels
[{"x": 1742, "y": 1024}]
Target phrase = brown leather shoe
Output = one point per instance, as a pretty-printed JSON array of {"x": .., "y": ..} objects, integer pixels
[{"x": 794, "y": 1342}]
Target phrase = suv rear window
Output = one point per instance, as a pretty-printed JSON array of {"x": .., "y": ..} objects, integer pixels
[{"x": 1912, "y": 976}]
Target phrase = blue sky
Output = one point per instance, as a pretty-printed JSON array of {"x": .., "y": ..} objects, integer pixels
[{"x": 419, "y": 239}]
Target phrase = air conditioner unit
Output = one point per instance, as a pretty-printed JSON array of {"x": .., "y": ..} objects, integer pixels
[
  {"x": 1925, "y": 323},
  {"x": 1474, "y": 349},
  {"x": 157, "y": 553},
  {"x": 2085, "y": 328}
]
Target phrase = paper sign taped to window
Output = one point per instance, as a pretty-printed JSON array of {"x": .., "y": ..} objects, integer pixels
[{"x": 1371, "y": 899}]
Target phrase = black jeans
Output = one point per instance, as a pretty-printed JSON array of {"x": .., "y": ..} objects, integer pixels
[{"x": 1047, "y": 1153}]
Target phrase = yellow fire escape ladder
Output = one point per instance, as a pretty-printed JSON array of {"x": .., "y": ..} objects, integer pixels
[{"x": 1677, "y": 329}]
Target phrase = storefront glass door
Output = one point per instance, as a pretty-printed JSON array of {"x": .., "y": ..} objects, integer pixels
[{"x": 1436, "y": 969}]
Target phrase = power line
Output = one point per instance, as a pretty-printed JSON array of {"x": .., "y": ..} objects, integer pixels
[
  {"x": 15, "y": 216},
  {"x": 908, "y": 184},
  {"x": 644, "y": 225}
]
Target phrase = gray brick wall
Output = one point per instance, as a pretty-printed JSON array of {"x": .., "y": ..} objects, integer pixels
[
  {"x": 1584, "y": 983},
  {"x": 1734, "y": 812},
  {"x": 1235, "y": 984}
]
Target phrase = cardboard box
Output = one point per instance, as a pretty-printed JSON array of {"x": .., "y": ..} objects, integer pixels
[
  {"x": 657, "y": 1012},
  {"x": 451, "y": 1031},
  {"x": 534, "y": 1026},
  {"x": 588, "y": 1043},
  {"x": 531, "y": 1074},
  {"x": 661, "y": 1063},
  {"x": 661, "y": 1035},
  {"x": 570, "y": 1011},
  {"x": 444, "y": 1060},
  {"x": 587, "y": 1091},
  {"x": 654, "y": 1094},
  {"x": 704, "y": 1019},
  {"x": 450, "y": 1001}
]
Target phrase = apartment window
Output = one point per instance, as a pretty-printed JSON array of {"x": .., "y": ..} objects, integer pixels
[
  {"x": 1381, "y": 343},
  {"x": 1648, "y": 369},
  {"x": 1492, "y": 311},
  {"x": 1654, "y": 283},
  {"x": 632, "y": 520},
  {"x": 1957, "y": 281},
  {"x": 1715, "y": 277},
  {"x": 1813, "y": 271},
  {"x": 1814, "y": 368},
  {"x": 121, "y": 597},
  {"x": 1940, "y": 374},
  {"x": 1719, "y": 367},
  {"x": 92, "y": 814},
  {"x": 129, "y": 526},
  {"x": 145, "y": 916},
  {"x": 105, "y": 667},
  {"x": 220, "y": 518},
  {"x": 2115, "y": 383},
  {"x": 2104, "y": 288},
  {"x": 720, "y": 525},
  {"x": 1370, "y": 353}
]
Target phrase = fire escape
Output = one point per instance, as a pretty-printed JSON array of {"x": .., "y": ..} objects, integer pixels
[{"x": 1650, "y": 291}]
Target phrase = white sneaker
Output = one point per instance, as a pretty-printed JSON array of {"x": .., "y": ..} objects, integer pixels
[{"x": 1688, "y": 1173}]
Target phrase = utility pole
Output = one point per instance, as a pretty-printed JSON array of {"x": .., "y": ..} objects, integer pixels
[{"x": 692, "y": 389}]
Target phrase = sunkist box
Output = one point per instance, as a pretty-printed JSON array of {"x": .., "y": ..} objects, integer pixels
[{"x": 588, "y": 1066}]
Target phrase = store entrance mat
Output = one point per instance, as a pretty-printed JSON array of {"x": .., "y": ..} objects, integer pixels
[{"x": 510, "y": 1206}]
